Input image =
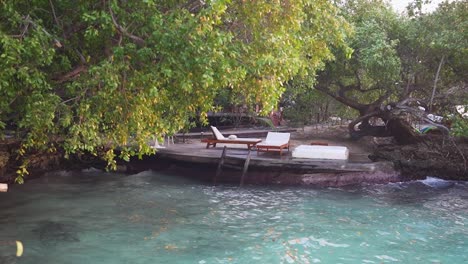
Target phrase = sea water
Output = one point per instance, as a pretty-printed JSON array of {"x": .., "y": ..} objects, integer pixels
[{"x": 96, "y": 217}]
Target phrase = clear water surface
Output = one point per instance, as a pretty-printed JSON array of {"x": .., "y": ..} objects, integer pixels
[{"x": 95, "y": 217}]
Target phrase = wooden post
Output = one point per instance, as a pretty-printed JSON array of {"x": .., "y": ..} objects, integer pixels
[
  {"x": 220, "y": 165},
  {"x": 246, "y": 167}
]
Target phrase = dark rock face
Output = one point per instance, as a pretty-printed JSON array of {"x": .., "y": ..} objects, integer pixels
[
  {"x": 383, "y": 172},
  {"x": 353, "y": 178},
  {"x": 39, "y": 162},
  {"x": 437, "y": 156},
  {"x": 52, "y": 233}
]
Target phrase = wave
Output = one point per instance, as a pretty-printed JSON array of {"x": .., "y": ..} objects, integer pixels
[{"x": 436, "y": 182}]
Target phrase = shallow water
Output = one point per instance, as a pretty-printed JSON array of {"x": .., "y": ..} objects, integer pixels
[{"x": 94, "y": 217}]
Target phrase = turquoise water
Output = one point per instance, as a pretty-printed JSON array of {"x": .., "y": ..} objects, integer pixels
[{"x": 94, "y": 217}]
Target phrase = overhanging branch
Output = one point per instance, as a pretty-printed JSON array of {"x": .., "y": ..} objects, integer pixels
[{"x": 341, "y": 98}]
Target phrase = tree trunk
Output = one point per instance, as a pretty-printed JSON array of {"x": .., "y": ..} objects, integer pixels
[
  {"x": 392, "y": 114},
  {"x": 436, "y": 79},
  {"x": 402, "y": 131},
  {"x": 395, "y": 126}
]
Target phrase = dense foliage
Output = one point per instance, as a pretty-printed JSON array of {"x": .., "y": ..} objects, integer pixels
[
  {"x": 95, "y": 75},
  {"x": 399, "y": 62}
]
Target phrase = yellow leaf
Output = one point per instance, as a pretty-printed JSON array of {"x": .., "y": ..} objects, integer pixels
[{"x": 19, "y": 248}]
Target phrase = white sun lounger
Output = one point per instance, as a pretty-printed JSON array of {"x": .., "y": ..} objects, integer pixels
[
  {"x": 219, "y": 138},
  {"x": 321, "y": 152},
  {"x": 274, "y": 142}
]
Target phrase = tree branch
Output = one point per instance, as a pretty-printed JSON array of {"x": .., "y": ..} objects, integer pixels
[
  {"x": 436, "y": 79},
  {"x": 25, "y": 29},
  {"x": 82, "y": 58},
  {"x": 419, "y": 114},
  {"x": 138, "y": 40},
  {"x": 360, "y": 119},
  {"x": 383, "y": 97},
  {"x": 53, "y": 13},
  {"x": 71, "y": 75},
  {"x": 340, "y": 97}
]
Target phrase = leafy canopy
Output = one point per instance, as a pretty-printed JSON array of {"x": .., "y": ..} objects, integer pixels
[{"x": 96, "y": 75}]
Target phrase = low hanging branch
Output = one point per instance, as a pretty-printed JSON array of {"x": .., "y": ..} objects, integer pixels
[
  {"x": 360, "y": 119},
  {"x": 341, "y": 97},
  {"x": 421, "y": 115},
  {"x": 393, "y": 115}
]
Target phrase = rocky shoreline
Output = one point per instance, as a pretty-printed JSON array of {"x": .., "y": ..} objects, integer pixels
[{"x": 435, "y": 156}]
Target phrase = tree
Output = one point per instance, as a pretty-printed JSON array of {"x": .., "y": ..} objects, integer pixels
[
  {"x": 437, "y": 57},
  {"x": 305, "y": 105},
  {"x": 384, "y": 75},
  {"x": 98, "y": 75},
  {"x": 367, "y": 79}
]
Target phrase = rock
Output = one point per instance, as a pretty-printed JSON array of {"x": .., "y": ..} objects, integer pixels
[
  {"x": 438, "y": 156},
  {"x": 385, "y": 173}
]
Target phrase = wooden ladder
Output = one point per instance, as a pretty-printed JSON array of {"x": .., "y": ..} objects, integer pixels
[{"x": 221, "y": 163}]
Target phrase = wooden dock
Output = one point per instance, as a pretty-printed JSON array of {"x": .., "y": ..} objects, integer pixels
[
  {"x": 358, "y": 168},
  {"x": 197, "y": 153}
]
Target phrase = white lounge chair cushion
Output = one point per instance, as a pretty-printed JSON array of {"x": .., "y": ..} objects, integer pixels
[
  {"x": 321, "y": 152},
  {"x": 220, "y": 136},
  {"x": 217, "y": 134},
  {"x": 275, "y": 139}
]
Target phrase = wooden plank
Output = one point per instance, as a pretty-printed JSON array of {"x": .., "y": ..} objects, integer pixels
[
  {"x": 246, "y": 167},
  {"x": 220, "y": 165}
]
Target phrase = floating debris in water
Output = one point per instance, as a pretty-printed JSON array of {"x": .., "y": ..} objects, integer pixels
[{"x": 19, "y": 248}]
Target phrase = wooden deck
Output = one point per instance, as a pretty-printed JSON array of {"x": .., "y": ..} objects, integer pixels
[
  {"x": 236, "y": 155},
  {"x": 193, "y": 159}
]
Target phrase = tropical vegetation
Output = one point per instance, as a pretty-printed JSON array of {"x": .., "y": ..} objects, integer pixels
[{"x": 94, "y": 76}]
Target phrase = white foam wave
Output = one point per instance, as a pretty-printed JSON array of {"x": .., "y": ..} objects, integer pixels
[
  {"x": 435, "y": 182},
  {"x": 322, "y": 242},
  {"x": 385, "y": 257}
]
